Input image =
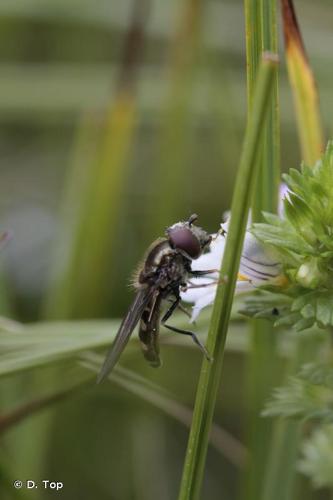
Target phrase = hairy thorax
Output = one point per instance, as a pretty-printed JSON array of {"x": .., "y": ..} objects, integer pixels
[{"x": 162, "y": 266}]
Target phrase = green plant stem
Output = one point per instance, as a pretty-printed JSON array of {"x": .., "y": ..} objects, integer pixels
[
  {"x": 211, "y": 371},
  {"x": 261, "y": 35},
  {"x": 280, "y": 467},
  {"x": 269, "y": 177},
  {"x": 261, "y": 378},
  {"x": 280, "y": 476},
  {"x": 253, "y": 34}
]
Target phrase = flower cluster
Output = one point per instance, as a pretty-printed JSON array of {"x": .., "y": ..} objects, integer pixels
[
  {"x": 303, "y": 242},
  {"x": 289, "y": 257}
]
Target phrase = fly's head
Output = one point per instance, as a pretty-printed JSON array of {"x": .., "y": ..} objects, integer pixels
[{"x": 190, "y": 240}]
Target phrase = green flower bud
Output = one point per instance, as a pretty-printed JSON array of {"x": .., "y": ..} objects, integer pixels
[{"x": 310, "y": 275}]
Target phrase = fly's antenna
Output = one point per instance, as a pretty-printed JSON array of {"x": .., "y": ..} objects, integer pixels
[
  {"x": 220, "y": 232},
  {"x": 192, "y": 219}
]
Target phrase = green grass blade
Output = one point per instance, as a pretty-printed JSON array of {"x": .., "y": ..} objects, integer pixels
[
  {"x": 156, "y": 395},
  {"x": 267, "y": 190},
  {"x": 26, "y": 347},
  {"x": 253, "y": 34},
  {"x": 303, "y": 86},
  {"x": 211, "y": 372},
  {"x": 43, "y": 343},
  {"x": 281, "y": 471},
  {"x": 280, "y": 466},
  {"x": 81, "y": 285},
  {"x": 261, "y": 35}
]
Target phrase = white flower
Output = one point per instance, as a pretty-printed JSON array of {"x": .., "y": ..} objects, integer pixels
[{"x": 258, "y": 266}]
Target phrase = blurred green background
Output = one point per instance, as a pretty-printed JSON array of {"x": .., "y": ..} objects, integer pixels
[{"x": 78, "y": 101}]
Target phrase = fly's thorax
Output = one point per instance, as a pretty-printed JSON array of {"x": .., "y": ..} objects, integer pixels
[
  {"x": 152, "y": 260},
  {"x": 163, "y": 267},
  {"x": 157, "y": 252}
]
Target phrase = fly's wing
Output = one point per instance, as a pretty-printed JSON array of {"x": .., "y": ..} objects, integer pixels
[
  {"x": 148, "y": 332},
  {"x": 143, "y": 297}
]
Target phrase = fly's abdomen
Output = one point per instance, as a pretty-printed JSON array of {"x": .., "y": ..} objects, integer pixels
[{"x": 148, "y": 333}]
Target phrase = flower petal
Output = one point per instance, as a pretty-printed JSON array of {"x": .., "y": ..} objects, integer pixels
[{"x": 258, "y": 266}]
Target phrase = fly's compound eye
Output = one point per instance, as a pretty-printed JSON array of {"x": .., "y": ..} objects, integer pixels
[{"x": 183, "y": 239}]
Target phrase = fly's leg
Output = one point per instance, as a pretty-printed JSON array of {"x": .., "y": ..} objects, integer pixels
[
  {"x": 203, "y": 285},
  {"x": 199, "y": 273},
  {"x": 182, "y": 308},
  {"x": 205, "y": 273},
  {"x": 183, "y": 332},
  {"x": 195, "y": 339},
  {"x": 191, "y": 334},
  {"x": 171, "y": 309}
]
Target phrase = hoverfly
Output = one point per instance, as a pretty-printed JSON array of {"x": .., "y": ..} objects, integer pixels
[{"x": 166, "y": 270}]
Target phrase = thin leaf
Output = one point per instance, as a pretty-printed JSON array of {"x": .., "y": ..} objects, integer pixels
[
  {"x": 303, "y": 86},
  {"x": 211, "y": 372},
  {"x": 156, "y": 395}
]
